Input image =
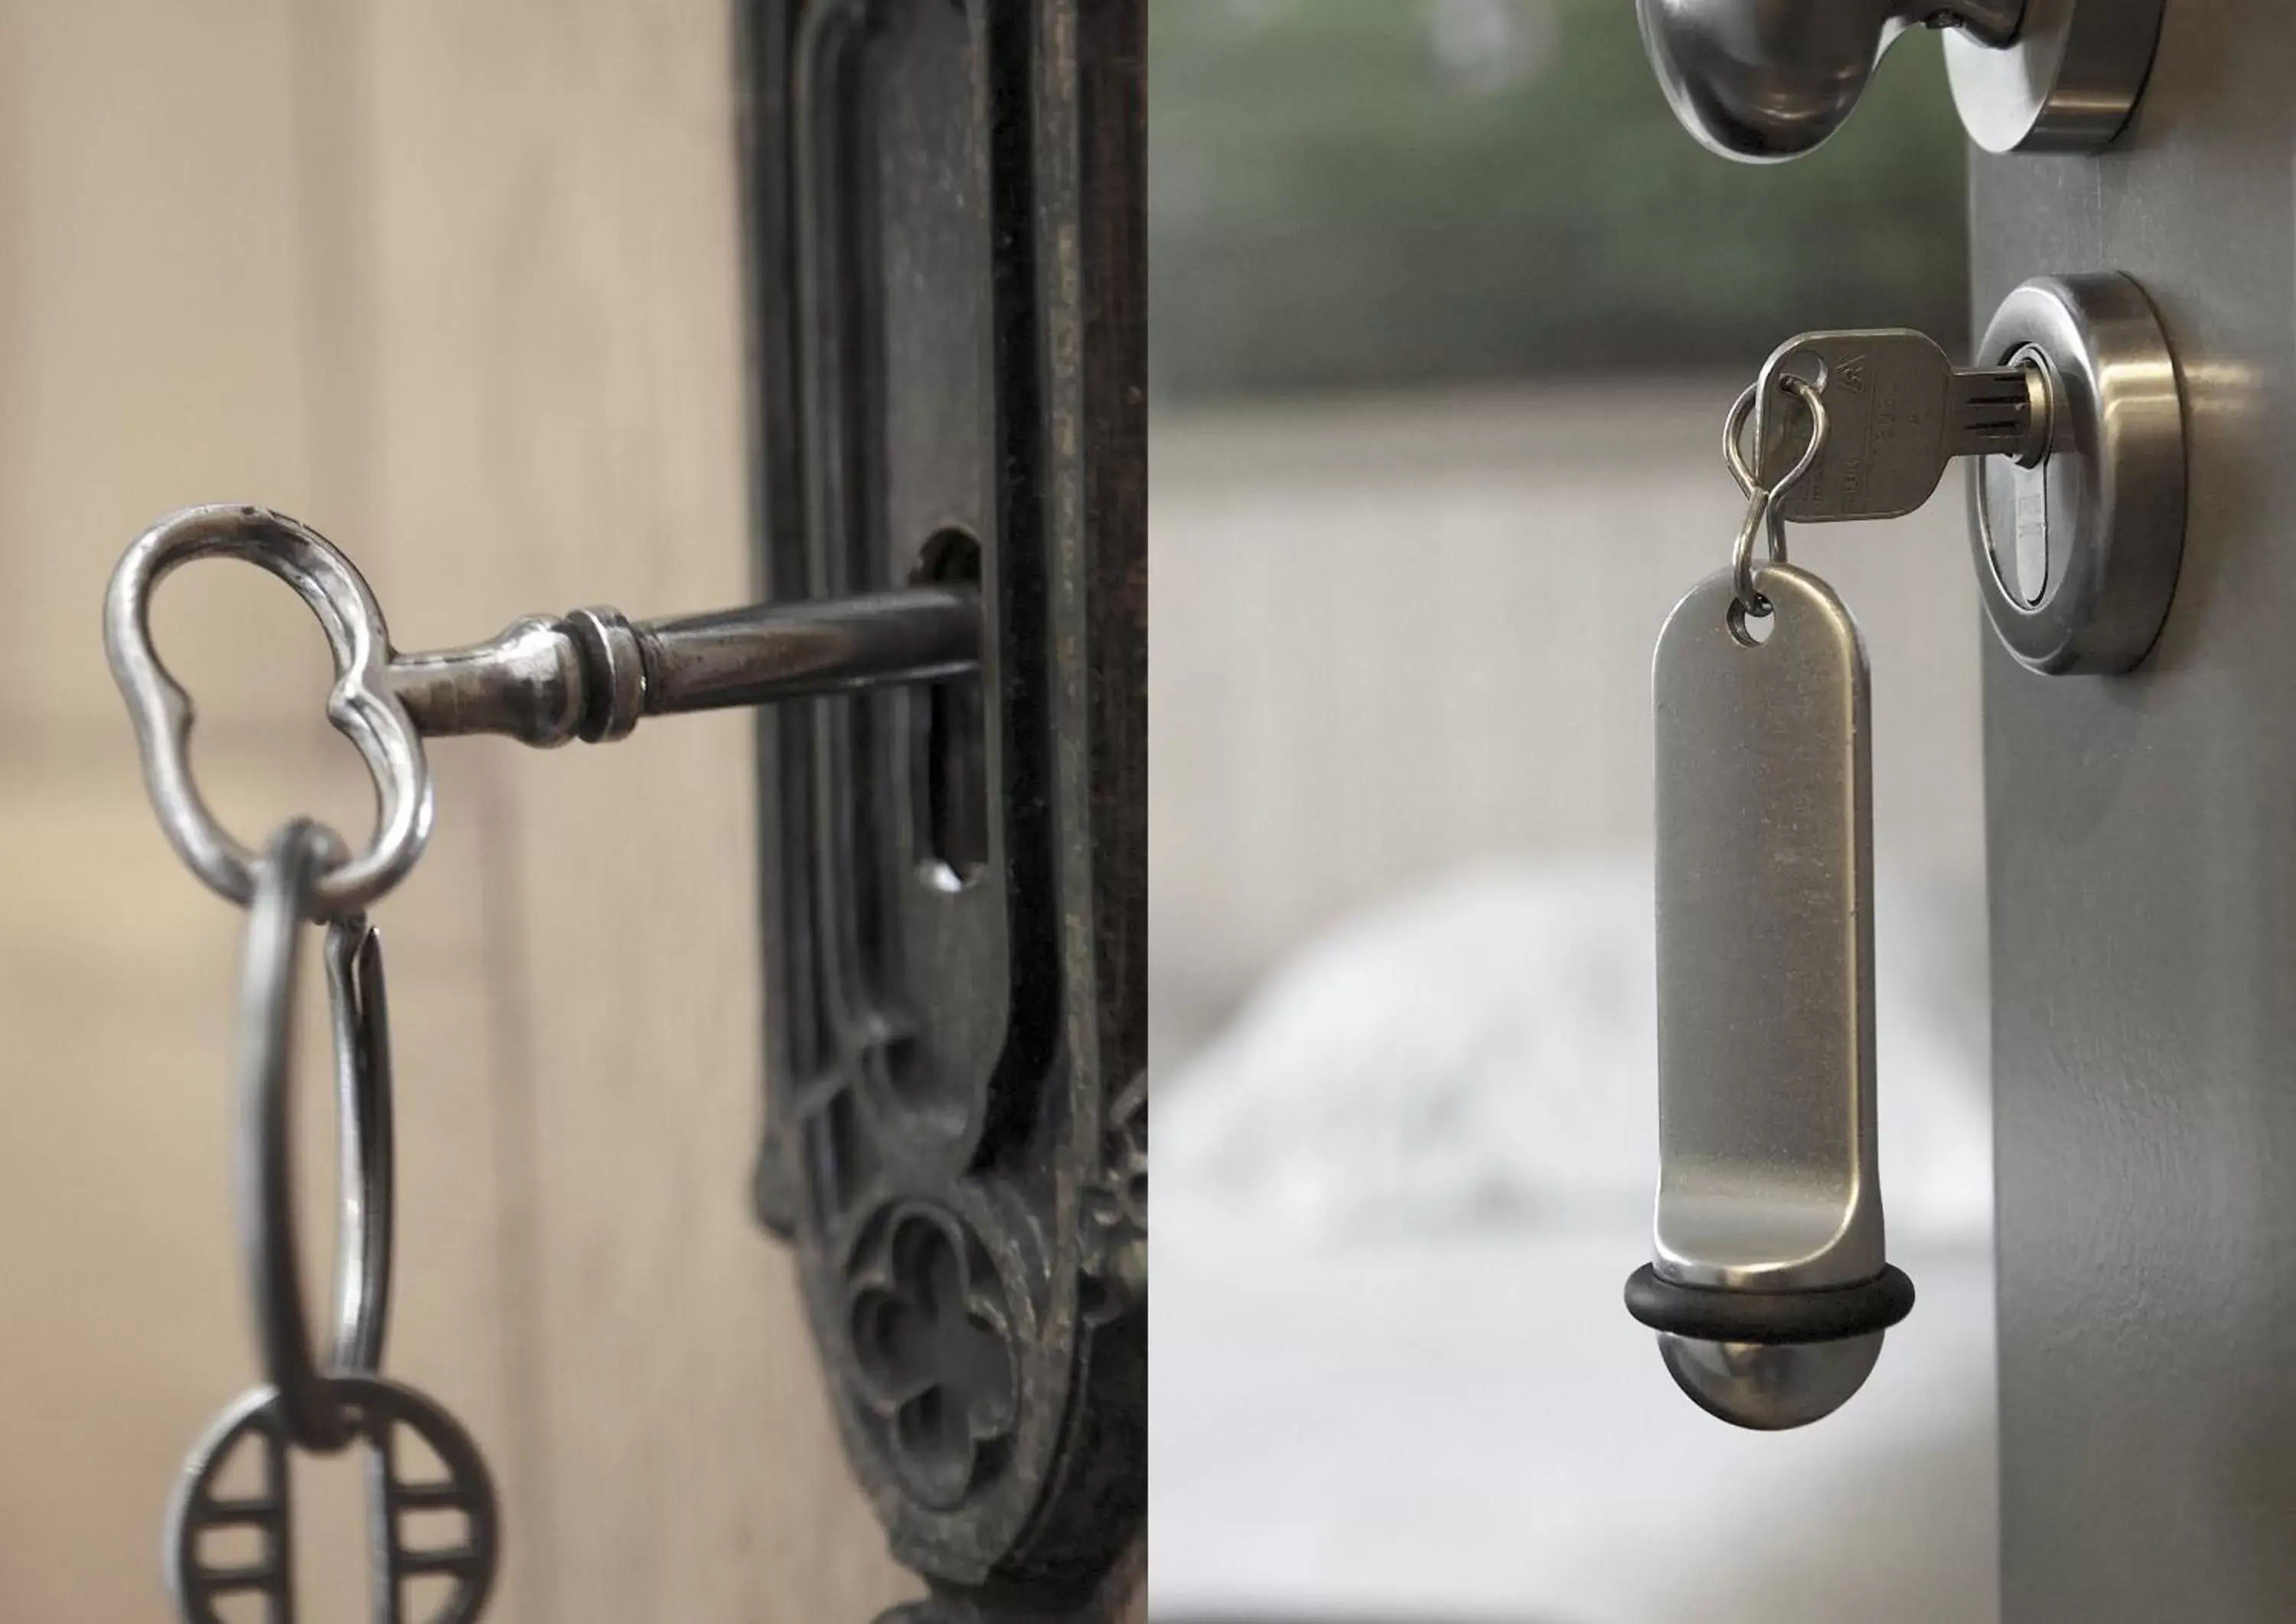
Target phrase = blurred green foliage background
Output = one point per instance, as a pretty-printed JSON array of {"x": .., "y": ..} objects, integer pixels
[{"x": 1359, "y": 194}]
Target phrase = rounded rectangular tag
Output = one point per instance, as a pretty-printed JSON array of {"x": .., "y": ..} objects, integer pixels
[{"x": 1765, "y": 942}]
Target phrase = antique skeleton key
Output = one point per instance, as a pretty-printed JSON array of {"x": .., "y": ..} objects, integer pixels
[
  {"x": 1900, "y": 412},
  {"x": 592, "y": 675}
]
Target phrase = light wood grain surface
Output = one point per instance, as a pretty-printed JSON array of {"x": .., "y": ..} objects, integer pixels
[{"x": 458, "y": 283}]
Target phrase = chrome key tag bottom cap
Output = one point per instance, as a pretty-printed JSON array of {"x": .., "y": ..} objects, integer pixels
[
  {"x": 1769, "y": 1387},
  {"x": 1769, "y": 1361}
]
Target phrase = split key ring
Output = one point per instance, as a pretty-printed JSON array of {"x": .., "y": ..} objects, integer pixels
[{"x": 287, "y": 877}]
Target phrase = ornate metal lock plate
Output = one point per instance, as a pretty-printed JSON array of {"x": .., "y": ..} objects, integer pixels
[{"x": 945, "y": 207}]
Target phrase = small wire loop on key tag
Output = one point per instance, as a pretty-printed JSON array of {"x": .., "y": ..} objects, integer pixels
[
  {"x": 287, "y": 877},
  {"x": 1761, "y": 500},
  {"x": 361, "y": 705}
]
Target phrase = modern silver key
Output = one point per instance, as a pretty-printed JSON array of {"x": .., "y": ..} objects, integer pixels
[{"x": 1900, "y": 411}]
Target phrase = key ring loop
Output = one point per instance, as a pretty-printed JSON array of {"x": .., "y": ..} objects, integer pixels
[
  {"x": 287, "y": 877},
  {"x": 1761, "y": 501},
  {"x": 361, "y": 705}
]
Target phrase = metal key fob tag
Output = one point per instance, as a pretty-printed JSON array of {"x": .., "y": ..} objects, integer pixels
[
  {"x": 1768, "y": 1284},
  {"x": 1767, "y": 1241}
]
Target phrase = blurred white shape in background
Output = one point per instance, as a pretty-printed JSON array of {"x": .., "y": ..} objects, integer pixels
[
  {"x": 1390, "y": 1367},
  {"x": 1481, "y": 1052},
  {"x": 1486, "y": 46}
]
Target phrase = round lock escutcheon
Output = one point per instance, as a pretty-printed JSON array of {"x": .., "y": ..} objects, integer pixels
[
  {"x": 2078, "y": 555},
  {"x": 2067, "y": 80}
]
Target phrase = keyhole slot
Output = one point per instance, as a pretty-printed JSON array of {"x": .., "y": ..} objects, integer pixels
[{"x": 948, "y": 743}]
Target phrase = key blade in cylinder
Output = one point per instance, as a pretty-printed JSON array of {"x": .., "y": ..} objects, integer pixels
[{"x": 1887, "y": 392}]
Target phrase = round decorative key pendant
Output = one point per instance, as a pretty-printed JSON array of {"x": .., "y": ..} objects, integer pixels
[{"x": 380, "y": 1411}]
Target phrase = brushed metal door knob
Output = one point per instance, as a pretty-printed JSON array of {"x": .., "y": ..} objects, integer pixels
[{"x": 1765, "y": 80}]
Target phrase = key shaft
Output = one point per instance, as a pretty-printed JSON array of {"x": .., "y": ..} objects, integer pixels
[
  {"x": 1999, "y": 411},
  {"x": 593, "y": 674}
]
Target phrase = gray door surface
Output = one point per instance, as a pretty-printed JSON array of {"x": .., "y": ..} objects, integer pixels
[{"x": 2143, "y": 907}]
